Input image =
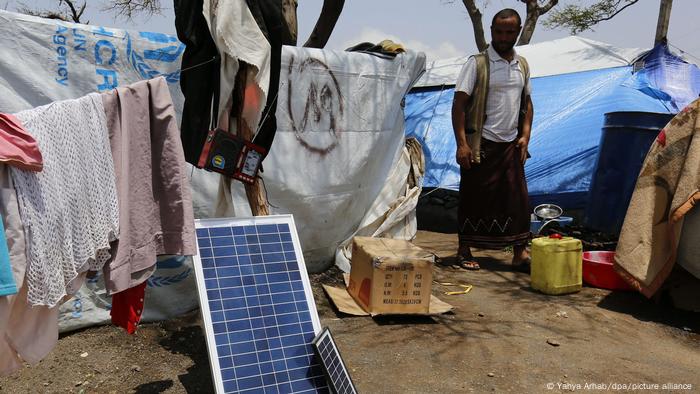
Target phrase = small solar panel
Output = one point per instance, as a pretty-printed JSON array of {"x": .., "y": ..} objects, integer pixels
[
  {"x": 332, "y": 363},
  {"x": 257, "y": 305}
]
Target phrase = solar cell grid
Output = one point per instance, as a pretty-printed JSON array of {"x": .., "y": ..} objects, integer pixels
[
  {"x": 333, "y": 364},
  {"x": 257, "y": 306}
]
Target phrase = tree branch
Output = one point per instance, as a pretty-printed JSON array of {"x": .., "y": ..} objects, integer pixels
[
  {"x": 577, "y": 18},
  {"x": 630, "y": 2},
  {"x": 127, "y": 8},
  {"x": 72, "y": 16},
  {"x": 534, "y": 11},
  {"x": 330, "y": 12},
  {"x": 475, "y": 15},
  {"x": 75, "y": 14},
  {"x": 545, "y": 8}
]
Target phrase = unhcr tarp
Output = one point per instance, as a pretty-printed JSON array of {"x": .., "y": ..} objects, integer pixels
[{"x": 575, "y": 82}]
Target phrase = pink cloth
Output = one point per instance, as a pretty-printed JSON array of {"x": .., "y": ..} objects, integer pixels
[
  {"x": 17, "y": 147},
  {"x": 153, "y": 190},
  {"x": 27, "y": 334}
]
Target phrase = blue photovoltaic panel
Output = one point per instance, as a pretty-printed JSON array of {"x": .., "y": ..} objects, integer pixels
[
  {"x": 333, "y": 364},
  {"x": 258, "y": 309}
]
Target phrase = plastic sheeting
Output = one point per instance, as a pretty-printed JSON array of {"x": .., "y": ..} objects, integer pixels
[
  {"x": 572, "y": 54},
  {"x": 569, "y": 111},
  {"x": 340, "y": 132},
  {"x": 45, "y": 60},
  {"x": 330, "y": 181},
  {"x": 393, "y": 213}
]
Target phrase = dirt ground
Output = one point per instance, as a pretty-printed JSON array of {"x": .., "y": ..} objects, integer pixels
[{"x": 500, "y": 338}]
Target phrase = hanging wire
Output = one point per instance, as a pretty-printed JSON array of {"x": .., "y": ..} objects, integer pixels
[
  {"x": 684, "y": 52},
  {"x": 200, "y": 64},
  {"x": 265, "y": 189},
  {"x": 262, "y": 121}
]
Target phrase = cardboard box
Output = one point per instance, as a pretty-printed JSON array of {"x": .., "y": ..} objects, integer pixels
[{"x": 390, "y": 276}]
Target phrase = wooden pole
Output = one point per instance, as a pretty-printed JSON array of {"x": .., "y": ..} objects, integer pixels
[
  {"x": 254, "y": 191},
  {"x": 662, "y": 24},
  {"x": 289, "y": 10}
]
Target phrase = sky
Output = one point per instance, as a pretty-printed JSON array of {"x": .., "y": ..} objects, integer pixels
[{"x": 440, "y": 28}]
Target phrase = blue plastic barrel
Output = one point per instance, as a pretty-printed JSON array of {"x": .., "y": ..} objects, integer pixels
[{"x": 624, "y": 143}]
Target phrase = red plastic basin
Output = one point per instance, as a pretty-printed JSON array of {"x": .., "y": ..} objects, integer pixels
[{"x": 598, "y": 271}]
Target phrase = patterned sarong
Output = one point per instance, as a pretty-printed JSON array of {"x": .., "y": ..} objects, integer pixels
[{"x": 493, "y": 201}]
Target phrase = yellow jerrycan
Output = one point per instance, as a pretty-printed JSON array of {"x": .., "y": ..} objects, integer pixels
[{"x": 556, "y": 264}]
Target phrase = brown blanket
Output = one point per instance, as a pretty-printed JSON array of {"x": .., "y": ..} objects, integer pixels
[{"x": 667, "y": 189}]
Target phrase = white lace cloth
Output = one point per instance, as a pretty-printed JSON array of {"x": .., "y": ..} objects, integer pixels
[{"x": 69, "y": 209}]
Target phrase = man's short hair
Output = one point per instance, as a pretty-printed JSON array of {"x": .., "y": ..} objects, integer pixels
[{"x": 505, "y": 14}]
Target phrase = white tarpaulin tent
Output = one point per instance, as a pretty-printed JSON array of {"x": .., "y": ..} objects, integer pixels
[
  {"x": 350, "y": 150},
  {"x": 562, "y": 56},
  {"x": 335, "y": 182},
  {"x": 340, "y": 134},
  {"x": 575, "y": 82}
]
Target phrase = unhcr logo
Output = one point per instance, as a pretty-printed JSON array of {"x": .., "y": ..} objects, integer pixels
[{"x": 169, "y": 52}]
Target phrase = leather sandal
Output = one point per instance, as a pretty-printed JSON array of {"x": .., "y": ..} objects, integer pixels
[{"x": 468, "y": 263}]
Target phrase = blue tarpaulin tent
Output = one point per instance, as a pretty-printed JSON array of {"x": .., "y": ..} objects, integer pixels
[{"x": 569, "y": 112}]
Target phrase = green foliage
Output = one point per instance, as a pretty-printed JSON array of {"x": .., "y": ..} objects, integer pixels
[{"x": 578, "y": 18}]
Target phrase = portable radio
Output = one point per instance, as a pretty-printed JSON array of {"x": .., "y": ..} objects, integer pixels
[{"x": 230, "y": 155}]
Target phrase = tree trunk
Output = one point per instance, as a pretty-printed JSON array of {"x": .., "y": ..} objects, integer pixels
[
  {"x": 289, "y": 9},
  {"x": 534, "y": 11},
  {"x": 662, "y": 24},
  {"x": 330, "y": 12},
  {"x": 254, "y": 191},
  {"x": 475, "y": 16},
  {"x": 256, "y": 199}
]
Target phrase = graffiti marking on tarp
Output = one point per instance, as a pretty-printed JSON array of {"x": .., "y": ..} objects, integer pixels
[{"x": 316, "y": 122}]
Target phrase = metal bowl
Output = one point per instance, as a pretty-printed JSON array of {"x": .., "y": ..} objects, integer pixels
[{"x": 548, "y": 211}]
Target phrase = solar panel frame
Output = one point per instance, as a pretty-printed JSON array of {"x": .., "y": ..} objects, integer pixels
[
  {"x": 320, "y": 344},
  {"x": 206, "y": 311}
]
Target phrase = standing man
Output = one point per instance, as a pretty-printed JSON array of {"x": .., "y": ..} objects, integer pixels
[{"x": 492, "y": 117}]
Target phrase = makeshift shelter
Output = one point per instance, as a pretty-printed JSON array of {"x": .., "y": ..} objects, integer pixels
[
  {"x": 339, "y": 163},
  {"x": 575, "y": 81}
]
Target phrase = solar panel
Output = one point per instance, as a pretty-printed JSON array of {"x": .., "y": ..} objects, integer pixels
[
  {"x": 258, "y": 309},
  {"x": 332, "y": 363}
]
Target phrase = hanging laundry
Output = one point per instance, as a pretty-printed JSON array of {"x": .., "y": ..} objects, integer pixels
[
  {"x": 69, "y": 209},
  {"x": 238, "y": 38},
  {"x": 200, "y": 80},
  {"x": 7, "y": 282},
  {"x": 17, "y": 147},
  {"x": 27, "y": 334},
  {"x": 270, "y": 19},
  {"x": 155, "y": 205},
  {"x": 127, "y": 308}
]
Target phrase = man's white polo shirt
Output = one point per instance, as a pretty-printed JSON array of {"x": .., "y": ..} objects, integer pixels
[{"x": 506, "y": 82}]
